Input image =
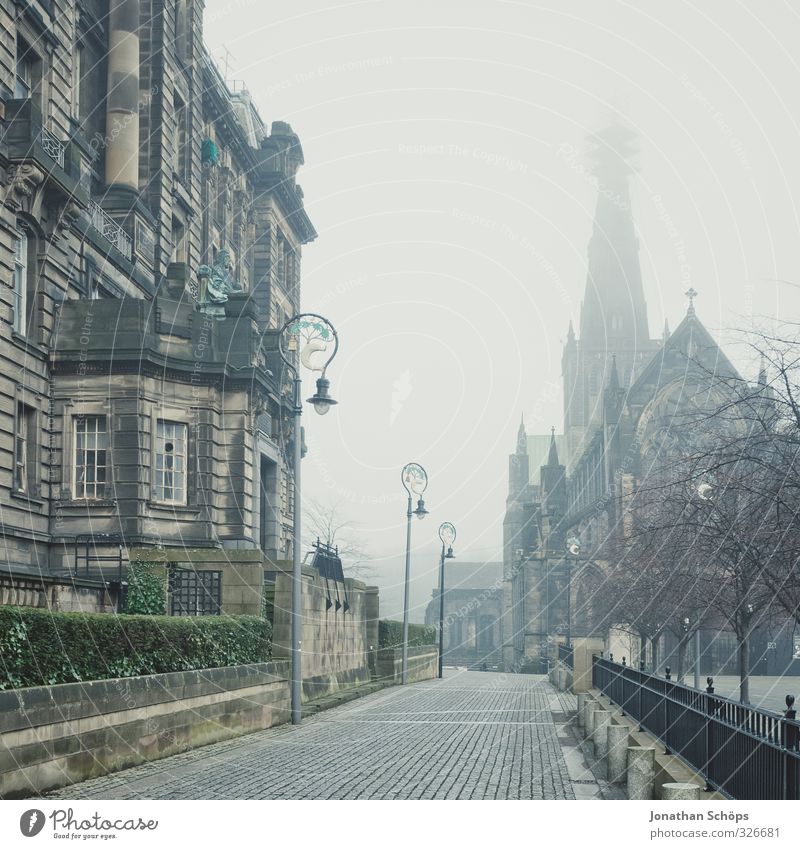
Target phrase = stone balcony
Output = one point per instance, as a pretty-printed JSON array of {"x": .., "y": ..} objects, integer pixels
[
  {"x": 37, "y": 154},
  {"x": 117, "y": 335}
]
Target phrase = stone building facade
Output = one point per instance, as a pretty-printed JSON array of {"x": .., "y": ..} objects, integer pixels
[
  {"x": 623, "y": 393},
  {"x": 472, "y": 614},
  {"x": 130, "y": 418}
]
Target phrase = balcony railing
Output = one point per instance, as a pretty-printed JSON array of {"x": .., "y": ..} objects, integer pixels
[
  {"x": 565, "y": 654},
  {"x": 743, "y": 751},
  {"x": 110, "y": 230},
  {"x": 52, "y": 147}
]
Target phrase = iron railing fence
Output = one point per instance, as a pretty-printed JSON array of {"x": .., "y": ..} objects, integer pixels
[
  {"x": 565, "y": 654},
  {"x": 742, "y": 751}
]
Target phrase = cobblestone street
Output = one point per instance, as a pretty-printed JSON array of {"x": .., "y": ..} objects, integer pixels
[{"x": 472, "y": 736}]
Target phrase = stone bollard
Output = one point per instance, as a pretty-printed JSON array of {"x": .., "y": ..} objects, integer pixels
[
  {"x": 582, "y": 698},
  {"x": 589, "y": 700},
  {"x": 641, "y": 772},
  {"x": 602, "y": 719},
  {"x": 680, "y": 790},
  {"x": 562, "y": 678},
  {"x": 617, "y": 758},
  {"x": 588, "y": 728}
]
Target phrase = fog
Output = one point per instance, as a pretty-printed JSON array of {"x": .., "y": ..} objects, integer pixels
[{"x": 445, "y": 172}]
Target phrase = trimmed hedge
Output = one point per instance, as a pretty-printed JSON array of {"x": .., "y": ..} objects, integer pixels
[
  {"x": 390, "y": 634},
  {"x": 43, "y": 647}
]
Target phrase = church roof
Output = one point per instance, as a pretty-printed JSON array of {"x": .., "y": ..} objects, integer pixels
[{"x": 690, "y": 343}]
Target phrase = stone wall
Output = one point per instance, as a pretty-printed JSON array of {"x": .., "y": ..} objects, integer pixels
[
  {"x": 55, "y": 736},
  {"x": 339, "y": 626},
  {"x": 64, "y": 595},
  {"x": 423, "y": 664}
]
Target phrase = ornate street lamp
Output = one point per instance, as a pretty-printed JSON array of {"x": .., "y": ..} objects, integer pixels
[
  {"x": 307, "y": 340},
  {"x": 573, "y": 550},
  {"x": 415, "y": 481},
  {"x": 447, "y": 534}
]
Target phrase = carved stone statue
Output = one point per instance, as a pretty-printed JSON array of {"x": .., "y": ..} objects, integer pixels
[{"x": 216, "y": 283}]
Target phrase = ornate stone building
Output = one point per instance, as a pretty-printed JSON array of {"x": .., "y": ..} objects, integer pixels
[
  {"x": 151, "y": 231},
  {"x": 623, "y": 392}
]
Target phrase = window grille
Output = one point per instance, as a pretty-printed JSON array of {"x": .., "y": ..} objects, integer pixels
[{"x": 195, "y": 593}]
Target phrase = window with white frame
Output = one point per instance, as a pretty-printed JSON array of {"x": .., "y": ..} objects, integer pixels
[
  {"x": 20, "y": 293},
  {"x": 24, "y": 448},
  {"x": 91, "y": 456},
  {"x": 170, "y": 462}
]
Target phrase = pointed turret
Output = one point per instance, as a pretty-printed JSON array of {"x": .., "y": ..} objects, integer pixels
[
  {"x": 613, "y": 378},
  {"x": 762, "y": 372},
  {"x": 522, "y": 438},
  {"x": 552, "y": 456}
]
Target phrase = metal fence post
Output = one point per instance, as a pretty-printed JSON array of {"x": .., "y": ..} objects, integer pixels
[
  {"x": 711, "y": 709},
  {"x": 666, "y": 713},
  {"x": 790, "y": 740}
]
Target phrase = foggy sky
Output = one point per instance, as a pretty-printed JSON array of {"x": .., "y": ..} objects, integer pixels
[{"x": 445, "y": 173}]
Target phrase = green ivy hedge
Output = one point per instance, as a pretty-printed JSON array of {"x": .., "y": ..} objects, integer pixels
[
  {"x": 390, "y": 634},
  {"x": 42, "y": 647},
  {"x": 147, "y": 589}
]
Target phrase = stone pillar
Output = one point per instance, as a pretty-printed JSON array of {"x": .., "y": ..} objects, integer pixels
[
  {"x": 588, "y": 707},
  {"x": 617, "y": 757},
  {"x": 680, "y": 790},
  {"x": 602, "y": 719},
  {"x": 583, "y": 648},
  {"x": 588, "y": 728},
  {"x": 122, "y": 102},
  {"x": 581, "y": 716},
  {"x": 641, "y": 772}
]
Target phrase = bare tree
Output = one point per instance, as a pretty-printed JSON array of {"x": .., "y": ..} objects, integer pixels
[{"x": 328, "y": 524}]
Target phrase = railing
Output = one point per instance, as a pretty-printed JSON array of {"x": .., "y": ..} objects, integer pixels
[
  {"x": 742, "y": 751},
  {"x": 565, "y": 654},
  {"x": 109, "y": 229},
  {"x": 52, "y": 147}
]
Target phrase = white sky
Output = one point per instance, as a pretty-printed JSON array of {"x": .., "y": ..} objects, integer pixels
[{"x": 444, "y": 173}]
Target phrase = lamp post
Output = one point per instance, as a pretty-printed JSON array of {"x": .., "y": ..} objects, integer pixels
[
  {"x": 573, "y": 550},
  {"x": 313, "y": 341},
  {"x": 447, "y": 534},
  {"x": 415, "y": 481}
]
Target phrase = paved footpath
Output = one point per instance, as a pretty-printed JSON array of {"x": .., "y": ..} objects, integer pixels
[{"x": 473, "y": 735}]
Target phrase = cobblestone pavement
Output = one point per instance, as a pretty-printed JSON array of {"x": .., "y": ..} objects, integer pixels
[{"x": 474, "y": 735}]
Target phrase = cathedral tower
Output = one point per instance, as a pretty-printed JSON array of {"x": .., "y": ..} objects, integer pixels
[{"x": 613, "y": 317}]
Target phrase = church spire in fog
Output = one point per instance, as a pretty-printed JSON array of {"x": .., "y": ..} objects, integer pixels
[{"x": 614, "y": 313}]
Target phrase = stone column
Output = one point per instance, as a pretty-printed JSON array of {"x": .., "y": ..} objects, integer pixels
[
  {"x": 122, "y": 103},
  {"x": 602, "y": 719},
  {"x": 581, "y": 716},
  {"x": 680, "y": 790},
  {"x": 617, "y": 758},
  {"x": 641, "y": 772}
]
